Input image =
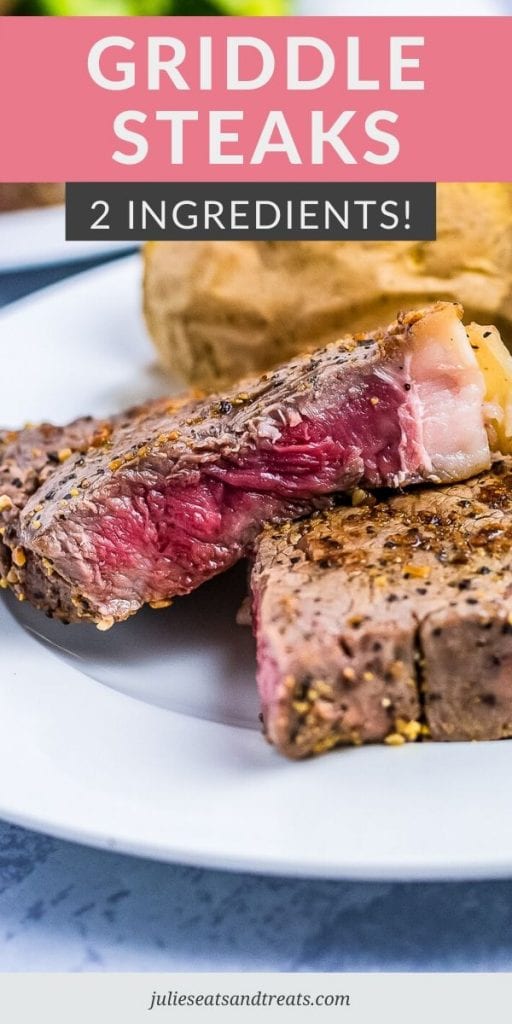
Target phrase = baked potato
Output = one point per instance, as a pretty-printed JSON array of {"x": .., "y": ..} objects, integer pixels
[{"x": 219, "y": 310}]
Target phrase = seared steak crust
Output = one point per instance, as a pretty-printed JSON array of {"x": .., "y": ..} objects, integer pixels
[
  {"x": 28, "y": 458},
  {"x": 389, "y": 620}
]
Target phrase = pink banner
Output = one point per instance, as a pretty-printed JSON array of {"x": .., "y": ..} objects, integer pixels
[{"x": 254, "y": 99}]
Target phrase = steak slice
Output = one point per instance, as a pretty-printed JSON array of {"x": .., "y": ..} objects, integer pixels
[
  {"x": 172, "y": 497},
  {"x": 28, "y": 458},
  {"x": 389, "y": 620}
]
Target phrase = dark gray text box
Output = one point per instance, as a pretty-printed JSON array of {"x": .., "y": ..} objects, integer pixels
[{"x": 266, "y": 211}]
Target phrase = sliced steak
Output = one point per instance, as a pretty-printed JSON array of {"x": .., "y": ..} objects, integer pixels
[
  {"x": 28, "y": 458},
  {"x": 170, "y": 498},
  {"x": 389, "y": 620}
]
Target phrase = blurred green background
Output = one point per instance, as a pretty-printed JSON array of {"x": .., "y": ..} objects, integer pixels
[{"x": 74, "y": 7}]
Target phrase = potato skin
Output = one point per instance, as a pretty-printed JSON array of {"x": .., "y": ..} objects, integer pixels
[
  {"x": 22, "y": 195},
  {"x": 220, "y": 310}
]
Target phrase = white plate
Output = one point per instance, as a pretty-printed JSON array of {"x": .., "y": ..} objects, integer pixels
[
  {"x": 36, "y": 238},
  {"x": 146, "y": 739}
]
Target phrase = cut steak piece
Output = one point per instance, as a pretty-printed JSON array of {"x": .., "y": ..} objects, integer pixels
[
  {"x": 28, "y": 458},
  {"x": 389, "y": 620},
  {"x": 173, "y": 497}
]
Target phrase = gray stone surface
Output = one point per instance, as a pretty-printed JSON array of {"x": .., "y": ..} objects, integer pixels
[{"x": 65, "y": 907}]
